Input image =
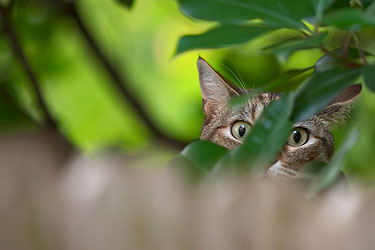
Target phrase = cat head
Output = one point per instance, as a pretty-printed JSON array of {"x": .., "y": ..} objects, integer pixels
[{"x": 310, "y": 140}]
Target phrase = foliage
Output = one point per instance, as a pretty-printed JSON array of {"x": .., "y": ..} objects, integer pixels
[
  {"x": 315, "y": 22},
  {"x": 82, "y": 52}
]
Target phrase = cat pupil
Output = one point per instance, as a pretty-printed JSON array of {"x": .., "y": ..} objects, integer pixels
[
  {"x": 296, "y": 136},
  {"x": 242, "y": 130}
]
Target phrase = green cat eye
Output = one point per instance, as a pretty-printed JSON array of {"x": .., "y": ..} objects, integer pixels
[
  {"x": 298, "y": 137},
  {"x": 239, "y": 130}
]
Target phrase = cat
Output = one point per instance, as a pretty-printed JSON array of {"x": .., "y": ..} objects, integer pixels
[{"x": 310, "y": 140}]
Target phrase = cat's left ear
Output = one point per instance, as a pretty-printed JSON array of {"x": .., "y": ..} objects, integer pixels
[
  {"x": 339, "y": 109},
  {"x": 214, "y": 87}
]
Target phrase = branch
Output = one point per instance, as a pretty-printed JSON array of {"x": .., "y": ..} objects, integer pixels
[
  {"x": 18, "y": 51},
  {"x": 8, "y": 30},
  {"x": 118, "y": 81},
  {"x": 10, "y": 101},
  {"x": 360, "y": 51}
]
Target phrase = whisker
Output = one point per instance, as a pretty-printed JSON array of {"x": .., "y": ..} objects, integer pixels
[
  {"x": 242, "y": 81},
  {"x": 238, "y": 80}
]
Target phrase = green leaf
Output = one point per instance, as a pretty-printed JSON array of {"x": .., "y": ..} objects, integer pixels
[
  {"x": 283, "y": 51},
  {"x": 283, "y": 82},
  {"x": 126, "y": 3},
  {"x": 203, "y": 155},
  {"x": 320, "y": 7},
  {"x": 319, "y": 90},
  {"x": 335, "y": 60},
  {"x": 286, "y": 13},
  {"x": 349, "y": 19},
  {"x": 264, "y": 141},
  {"x": 369, "y": 77},
  {"x": 221, "y": 36},
  {"x": 329, "y": 174}
]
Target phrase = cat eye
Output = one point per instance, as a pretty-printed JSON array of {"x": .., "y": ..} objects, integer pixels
[
  {"x": 298, "y": 137},
  {"x": 239, "y": 130}
]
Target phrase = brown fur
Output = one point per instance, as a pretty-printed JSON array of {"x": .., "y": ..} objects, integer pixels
[{"x": 216, "y": 92}]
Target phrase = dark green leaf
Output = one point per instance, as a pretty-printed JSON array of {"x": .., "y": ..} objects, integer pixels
[
  {"x": 369, "y": 77},
  {"x": 348, "y": 18},
  {"x": 221, "y": 36},
  {"x": 203, "y": 154},
  {"x": 283, "y": 82},
  {"x": 319, "y": 90},
  {"x": 286, "y": 13},
  {"x": 335, "y": 60},
  {"x": 320, "y": 7},
  {"x": 283, "y": 51},
  {"x": 329, "y": 174},
  {"x": 264, "y": 141},
  {"x": 127, "y": 3}
]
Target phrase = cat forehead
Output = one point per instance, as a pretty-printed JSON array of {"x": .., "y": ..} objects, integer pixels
[{"x": 252, "y": 109}]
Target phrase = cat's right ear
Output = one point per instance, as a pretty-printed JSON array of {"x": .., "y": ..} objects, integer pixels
[
  {"x": 214, "y": 87},
  {"x": 338, "y": 110}
]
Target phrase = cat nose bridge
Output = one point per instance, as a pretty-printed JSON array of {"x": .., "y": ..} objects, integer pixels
[{"x": 277, "y": 170}]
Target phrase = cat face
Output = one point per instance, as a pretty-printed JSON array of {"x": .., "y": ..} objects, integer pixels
[{"x": 309, "y": 141}]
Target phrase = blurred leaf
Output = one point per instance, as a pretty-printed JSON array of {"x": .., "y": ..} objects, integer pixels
[
  {"x": 203, "y": 154},
  {"x": 286, "y": 13},
  {"x": 334, "y": 60},
  {"x": 127, "y": 3},
  {"x": 4, "y": 2},
  {"x": 348, "y": 18},
  {"x": 319, "y": 90},
  {"x": 264, "y": 141},
  {"x": 221, "y": 36},
  {"x": 369, "y": 77},
  {"x": 329, "y": 174},
  {"x": 320, "y": 7},
  {"x": 277, "y": 84},
  {"x": 311, "y": 170},
  {"x": 283, "y": 81},
  {"x": 283, "y": 51}
]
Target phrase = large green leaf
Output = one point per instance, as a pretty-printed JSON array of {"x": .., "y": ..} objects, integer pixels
[
  {"x": 203, "y": 154},
  {"x": 221, "y": 36},
  {"x": 264, "y": 141},
  {"x": 369, "y": 77},
  {"x": 348, "y": 18},
  {"x": 320, "y": 89},
  {"x": 286, "y": 13},
  {"x": 283, "y": 82},
  {"x": 331, "y": 171}
]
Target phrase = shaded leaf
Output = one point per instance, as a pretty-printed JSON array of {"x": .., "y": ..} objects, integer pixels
[
  {"x": 264, "y": 141},
  {"x": 319, "y": 90},
  {"x": 221, "y": 36},
  {"x": 369, "y": 77},
  {"x": 320, "y": 7},
  {"x": 334, "y": 60},
  {"x": 277, "y": 84},
  {"x": 203, "y": 154},
  {"x": 127, "y": 3},
  {"x": 348, "y": 18},
  {"x": 286, "y": 13},
  {"x": 331, "y": 172}
]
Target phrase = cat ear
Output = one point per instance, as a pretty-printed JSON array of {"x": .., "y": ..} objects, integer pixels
[
  {"x": 213, "y": 86},
  {"x": 339, "y": 109}
]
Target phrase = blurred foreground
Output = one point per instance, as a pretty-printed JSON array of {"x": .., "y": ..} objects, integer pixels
[{"x": 53, "y": 198}]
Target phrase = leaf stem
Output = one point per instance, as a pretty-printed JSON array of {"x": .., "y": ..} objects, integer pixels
[{"x": 360, "y": 52}]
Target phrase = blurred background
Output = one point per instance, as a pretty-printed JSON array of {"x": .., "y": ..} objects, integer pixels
[{"x": 110, "y": 80}]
